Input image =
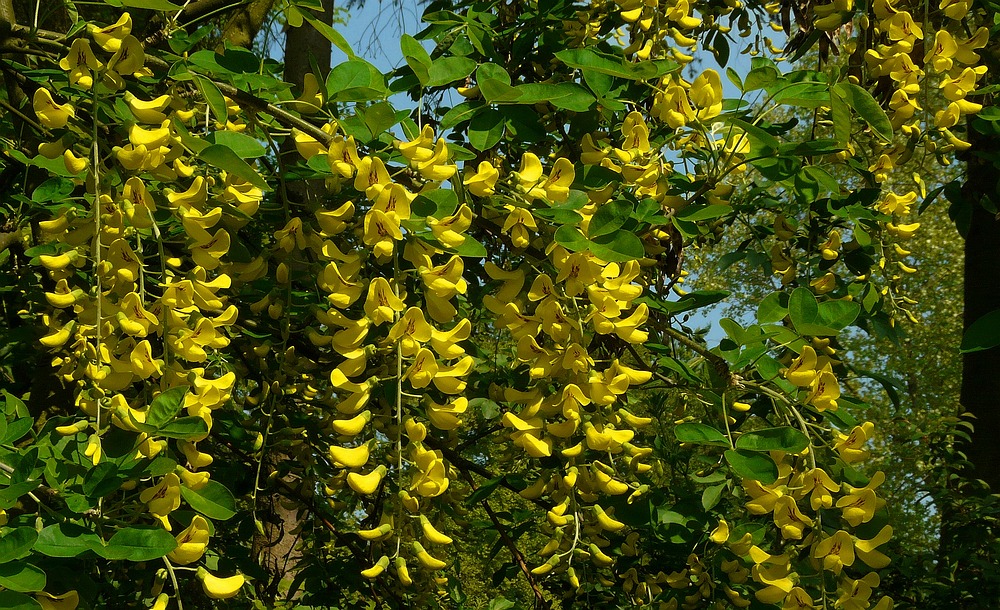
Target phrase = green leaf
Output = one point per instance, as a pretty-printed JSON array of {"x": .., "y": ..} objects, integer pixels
[
  {"x": 609, "y": 218},
  {"x": 195, "y": 143},
  {"x": 982, "y": 334},
  {"x": 214, "y": 500},
  {"x": 692, "y": 300},
  {"x": 501, "y": 603},
  {"x": 17, "y": 543},
  {"x": 839, "y": 314},
  {"x": 23, "y": 577},
  {"x": 138, "y": 544},
  {"x": 213, "y": 97},
  {"x": 488, "y": 408},
  {"x": 224, "y": 158},
  {"x": 711, "y": 496},
  {"x": 101, "y": 480},
  {"x": 416, "y": 57},
  {"x": 436, "y": 202},
  {"x": 751, "y": 465},
  {"x": 570, "y": 238},
  {"x": 484, "y": 491},
  {"x": 700, "y": 434},
  {"x": 10, "y": 495},
  {"x": 560, "y": 216},
  {"x": 614, "y": 65},
  {"x": 471, "y": 248},
  {"x": 462, "y": 112},
  {"x": 53, "y": 189},
  {"x": 166, "y": 406},
  {"x": 16, "y": 430},
  {"x": 760, "y": 78},
  {"x": 355, "y": 80},
  {"x": 152, "y": 5},
  {"x": 187, "y": 428},
  {"x": 446, "y": 70},
  {"x": 770, "y": 308},
  {"x": 486, "y": 129},
  {"x": 785, "y": 438},
  {"x": 867, "y": 108},
  {"x": 332, "y": 35},
  {"x": 11, "y": 600},
  {"x": 568, "y": 96},
  {"x": 703, "y": 211},
  {"x": 618, "y": 247},
  {"x": 820, "y": 319},
  {"x": 840, "y": 113},
  {"x": 243, "y": 145},
  {"x": 66, "y": 540}
]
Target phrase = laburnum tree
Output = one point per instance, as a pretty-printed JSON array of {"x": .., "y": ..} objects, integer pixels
[{"x": 311, "y": 336}]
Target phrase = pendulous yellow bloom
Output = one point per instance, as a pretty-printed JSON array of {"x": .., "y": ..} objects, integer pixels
[
  {"x": 191, "y": 542},
  {"x": 49, "y": 113}
]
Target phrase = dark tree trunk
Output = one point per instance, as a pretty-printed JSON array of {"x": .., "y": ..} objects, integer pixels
[{"x": 981, "y": 370}]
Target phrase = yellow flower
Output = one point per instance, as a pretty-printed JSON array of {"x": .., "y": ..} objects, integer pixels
[
  {"x": 518, "y": 225},
  {"x": 852, "y": 446},
  {"x": 372, "y": 177},
  {"x": 772, "y": 571},
  {"x": 67, "y": 601},
  {"x": 49, "y": 113},
  {"x": 128, "y": 59},
  {"x": 411, "y": 331},
  {"x": 818, "y": 484},
  {"x": 353, "y": 457},
  {"x": 824, "y": 390},
  {"x": 333, "y": 222},
  {"x": 143, "y": 363},
  {"x": 721, "y": 533},
  {"x": 446, "y": 417},
  {"x": 706, "y": 95},
  {"x": 423, "y": 369},
  {"x": 866, "y": 549},
  {"x": 163, "y": 498},
  {"x": 835, "y": 551},
  {"x": 483, "y": 182},
  {"x": 220, "y": 588},
  {"x": 449, "y": 230},
  {"x": 191, "y": 542},
  {"x": 790, "y": 519},
  {"x": 802, "y": 370},
  {"x": 110, "y": 37},
  {"x": 673, "y": 107},
  {"x": 430, "y": 480},
  {"x": 860, "y": 504},
  {"x": 395, "y": 201},
  {"x": 382, "y": 303},
  {"x": 762, "y": 499},
  {"x": 450, "y": 379}
]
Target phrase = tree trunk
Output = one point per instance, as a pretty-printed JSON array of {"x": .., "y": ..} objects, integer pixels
[
  {"x": 981, "y": 370},
  {"x": 245, "y": 22},
  {"x": 305, "y": 47},
  {"x": 276, "y": 545}
]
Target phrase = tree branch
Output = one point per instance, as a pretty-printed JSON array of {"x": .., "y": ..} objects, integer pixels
[{"x": 509, "y": 543}]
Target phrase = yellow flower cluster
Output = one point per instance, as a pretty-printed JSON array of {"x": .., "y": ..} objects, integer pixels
[
  {"x": 134, "y": 320},
  {"x": 951, "y": 58},
  {"x": 421, "y": 358}
]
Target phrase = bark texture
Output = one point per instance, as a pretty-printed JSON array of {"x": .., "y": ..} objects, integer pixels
[{"x": 981, "y": 370}]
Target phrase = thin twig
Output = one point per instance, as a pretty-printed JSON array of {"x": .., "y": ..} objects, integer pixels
[{"x": 509, "y": 543}]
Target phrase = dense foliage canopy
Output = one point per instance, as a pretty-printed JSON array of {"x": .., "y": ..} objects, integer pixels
[{"x": 299, "y": 342}]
